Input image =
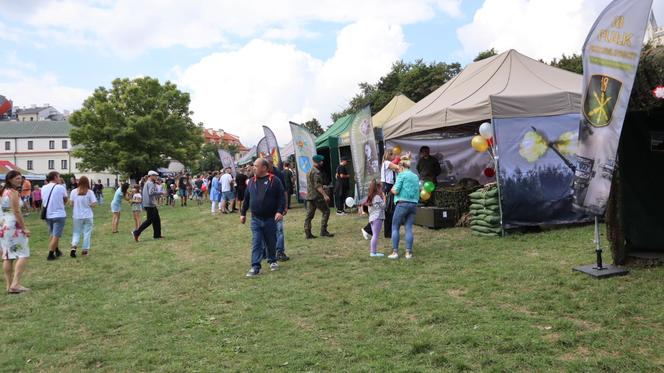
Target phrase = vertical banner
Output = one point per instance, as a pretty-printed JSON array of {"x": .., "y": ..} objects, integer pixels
[
  {"x": 262, "y": 149},
  {"x": 272, "y": 147},
  {"x": 365, "y": 153},
  {"x": 304, "y": 144},
  {"x": 227, "y": 161},
  {"x": 610, "y": 59}
]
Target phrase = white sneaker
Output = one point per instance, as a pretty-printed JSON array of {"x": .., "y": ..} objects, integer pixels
[
  {"x": 393, "y": 256},
  {"x": 366, "y": 235},
  {"x": 409, "y": 255},
  {"x": 376, "y": 255},
  {"x": 274, "y": 266}
]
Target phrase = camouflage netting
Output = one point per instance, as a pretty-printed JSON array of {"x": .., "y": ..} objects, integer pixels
[
  {"x": 457, "y": 196},
  {"x": 650, "y": 74}
]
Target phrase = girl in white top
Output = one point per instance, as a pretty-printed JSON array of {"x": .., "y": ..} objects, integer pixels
[
  {"x": 83, "y": 200},
  {"x": 376, "y": 202},
  {"x": 136, "y": 206}
]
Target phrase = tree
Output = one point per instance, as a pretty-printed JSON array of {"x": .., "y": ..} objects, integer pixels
[
  {"x": 416, "y": 80},
  {"x": 485, "y": 54},
  {"x": 135, "y": 126},
  {"x": 573, "y": 63},
  {"x": 314, "y": 127}
]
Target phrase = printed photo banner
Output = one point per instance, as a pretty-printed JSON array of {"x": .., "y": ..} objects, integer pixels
[
  {"x": 610, "y": 60},
  {"x": 262, "y": 149},
  {"x": 227, "y": 161},
  {"x": 272, "y": 147},
  {"x": 304, "y": 145},
  {"x": 457, "y": 159},
  {"x": 535, "y": 171},
  {"x": 366, "y": 160}
]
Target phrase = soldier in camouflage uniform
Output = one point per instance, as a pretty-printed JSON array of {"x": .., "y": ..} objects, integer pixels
[{"x": 316, "y": 199}]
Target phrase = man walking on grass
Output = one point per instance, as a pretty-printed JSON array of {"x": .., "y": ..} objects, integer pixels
[
  {"x": 150, "y": 195},
  {"x": 265, "y": 196},
  {"x": 316, "y": 199},
  {"x": 55, "y": 196}
]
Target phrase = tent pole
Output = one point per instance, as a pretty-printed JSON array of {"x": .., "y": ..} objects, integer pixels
[{"x": 599, "y": 270}]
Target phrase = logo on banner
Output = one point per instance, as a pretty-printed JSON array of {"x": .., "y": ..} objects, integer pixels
[
  {"x": 600, "y": 100},
  {"x": 305, "y": 164}
]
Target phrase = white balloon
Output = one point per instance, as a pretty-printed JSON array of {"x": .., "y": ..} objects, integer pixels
[
  {"x": 486, "y": 130},
  {"x": 350, "y": 202}
]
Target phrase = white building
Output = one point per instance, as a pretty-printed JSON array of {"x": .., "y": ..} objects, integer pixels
[
  {"x": 37, "y": 114},
  {"x": 43, "y": 146}
]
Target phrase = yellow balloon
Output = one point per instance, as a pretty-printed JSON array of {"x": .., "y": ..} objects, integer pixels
[
  {"x": 480, "y": 144},
  {"x": 424, "y": 195},
  {"x": 396, "y": 150}
]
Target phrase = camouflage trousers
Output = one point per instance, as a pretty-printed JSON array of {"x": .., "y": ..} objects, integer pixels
[{"x": 321, "y": 205}]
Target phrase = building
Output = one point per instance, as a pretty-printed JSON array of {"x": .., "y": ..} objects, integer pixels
[
  {"x": 38, "y": 113},
  {"x": 43, "y": 146},
  {"x": 220, "y": 136}
]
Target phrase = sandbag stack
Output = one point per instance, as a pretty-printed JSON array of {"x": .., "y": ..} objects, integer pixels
[{"x": 485, "y": 212}]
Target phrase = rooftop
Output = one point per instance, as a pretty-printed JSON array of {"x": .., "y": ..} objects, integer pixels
[{"x": 13, "y": 129}]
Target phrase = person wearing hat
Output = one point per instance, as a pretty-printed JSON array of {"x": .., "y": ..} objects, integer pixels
[
  {"x": 150, "y": 195},
  {"x": 342, "y": 187},
  {"x": 317, "y": 199}
]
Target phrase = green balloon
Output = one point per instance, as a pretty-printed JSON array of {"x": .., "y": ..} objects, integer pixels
[{"x": 429, "y": 186}]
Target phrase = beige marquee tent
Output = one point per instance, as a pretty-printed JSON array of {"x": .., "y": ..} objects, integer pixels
[{"x": 508, "y": 85}]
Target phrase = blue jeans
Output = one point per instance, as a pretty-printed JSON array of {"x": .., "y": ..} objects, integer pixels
[
  {"x": 82, "y": 226},
  {"x": 404, "y": 214},
  {"x": 263, "y": 229},
  {"x": 280, "y": 236}
]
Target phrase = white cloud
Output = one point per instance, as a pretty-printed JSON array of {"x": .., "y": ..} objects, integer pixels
[
  {"x": 24, "y": 85},
  {"x": 538, "y": 28},
  {"x": 25, "y": 90},
  {"x": 265, "y": 83},
  {"x": 128, "y": 27}
]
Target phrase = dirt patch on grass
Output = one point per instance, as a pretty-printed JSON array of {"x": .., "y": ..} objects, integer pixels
[
  {"x": 457, "y": 293},
  {"x": 581, "y": 352},
  {"x": 585, "y": 324}
]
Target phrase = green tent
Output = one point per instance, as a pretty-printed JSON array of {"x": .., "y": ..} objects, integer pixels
[{"x": 327, "y": 145}]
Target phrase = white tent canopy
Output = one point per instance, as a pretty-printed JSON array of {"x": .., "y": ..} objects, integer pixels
[{"x": 503, "y": 86}]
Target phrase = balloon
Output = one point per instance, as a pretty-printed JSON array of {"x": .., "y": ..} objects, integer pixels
[
  {"x": 421, "y": 183},
  {"x": 396, "y": 150},
  {"x": 424, "y": 195},
  {"x": 429, "y": 186},
  {"x": 480, "y": 144},
  {"x": 490, "y": 141},
  {"x": 350, "y": 202},
  {"x": 489, "y": 172},
  {"x": 486, "y": 130}
]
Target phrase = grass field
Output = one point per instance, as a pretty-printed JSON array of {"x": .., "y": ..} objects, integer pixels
[{"x": 463, "y": 304}]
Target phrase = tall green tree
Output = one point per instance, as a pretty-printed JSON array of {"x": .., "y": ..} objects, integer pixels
[
  {"x": 314, "y": 127},
  {"x": 416, "y": 80},
  {"x": 486, "y": 54},
  {"x": 135, "y": 126}
]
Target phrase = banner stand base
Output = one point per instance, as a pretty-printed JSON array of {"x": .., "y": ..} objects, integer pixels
[{"x": 605, "y": 272}]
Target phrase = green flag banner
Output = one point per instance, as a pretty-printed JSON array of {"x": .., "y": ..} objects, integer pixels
[{"x": 365, "y": 153}]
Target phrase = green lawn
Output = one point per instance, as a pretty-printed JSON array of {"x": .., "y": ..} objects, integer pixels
[{"x": 464, "y": 303}]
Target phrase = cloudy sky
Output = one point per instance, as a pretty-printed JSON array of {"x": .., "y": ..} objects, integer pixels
[{"x": 254, "y": 62}]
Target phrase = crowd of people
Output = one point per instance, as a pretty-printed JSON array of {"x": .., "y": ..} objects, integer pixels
[{"x": 264, "y": 189}]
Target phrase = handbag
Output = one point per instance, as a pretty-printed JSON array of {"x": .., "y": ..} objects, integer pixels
[{"x": 43, "y": 211}]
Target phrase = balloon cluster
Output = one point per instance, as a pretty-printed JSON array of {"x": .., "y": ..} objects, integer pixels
[
  {"x": 426, "y": 189},
  {"x": 484, "y": 142}
]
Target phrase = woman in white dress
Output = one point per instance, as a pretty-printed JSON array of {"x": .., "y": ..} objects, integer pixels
[{"x": 13, "y": 234}]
